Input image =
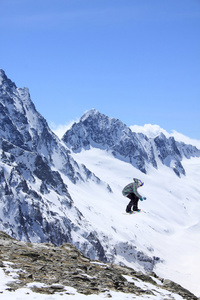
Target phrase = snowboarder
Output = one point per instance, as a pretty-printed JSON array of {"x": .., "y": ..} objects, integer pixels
[{"x": 130, "y": 191}]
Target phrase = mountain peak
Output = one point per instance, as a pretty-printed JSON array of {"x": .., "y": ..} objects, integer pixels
[
  {"x": 100, "y": 131},
  {"x": 2, "y": 73},
  {"x": 92, "y": 113},
  {"x": 94, "y": 119},
  {"x": 5, "y": 82}
]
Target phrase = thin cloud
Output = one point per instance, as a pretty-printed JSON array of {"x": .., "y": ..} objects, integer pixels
[
  {"x": 152, "y": 131},
  {"x": 61, "y": 129}
]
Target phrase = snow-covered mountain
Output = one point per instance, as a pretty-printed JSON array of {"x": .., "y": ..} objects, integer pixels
[
  {"x": 70, "y": 190},
  {"x": 35, "y": 204},
  {"x": 97, "y": 130}
]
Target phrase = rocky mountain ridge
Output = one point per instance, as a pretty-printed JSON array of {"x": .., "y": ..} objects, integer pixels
[
  {"x": 35, "y": 203},
  {"x": 23, "y": 126},
  {"x": 48, "y": 269},
  {"x": 98, "y": 130}
]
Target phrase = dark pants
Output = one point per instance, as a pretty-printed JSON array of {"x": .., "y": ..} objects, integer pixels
[{"x": 133, "y": 203}]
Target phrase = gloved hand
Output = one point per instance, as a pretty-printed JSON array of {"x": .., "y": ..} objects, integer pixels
[{"x": 141, "y": 199}]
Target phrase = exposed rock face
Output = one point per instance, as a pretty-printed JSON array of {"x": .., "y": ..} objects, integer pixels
[
  {"x": 32, "y": 189},
  {"x": 61, "y": 267},
  {"x": 24, "y": 130},
  {"x": 97, "y": 130}
]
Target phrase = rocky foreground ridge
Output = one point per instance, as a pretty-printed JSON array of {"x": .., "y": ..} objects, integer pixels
[{"x": 65, "y": 266}]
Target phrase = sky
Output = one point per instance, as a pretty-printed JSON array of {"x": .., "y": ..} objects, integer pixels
[{"x": 135, "y": 60}]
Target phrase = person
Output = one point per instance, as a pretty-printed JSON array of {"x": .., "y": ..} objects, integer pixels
[{"x": 130, "y": 191}]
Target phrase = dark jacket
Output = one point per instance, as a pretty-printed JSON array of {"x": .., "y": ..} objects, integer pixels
[{"x": 132, "y": 188}]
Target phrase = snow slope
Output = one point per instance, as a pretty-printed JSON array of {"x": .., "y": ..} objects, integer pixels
[{"x": 169, "y": 226}]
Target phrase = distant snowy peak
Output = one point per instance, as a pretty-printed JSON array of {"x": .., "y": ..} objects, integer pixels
[
  {"x": 98, "y": 130},
  {"x": 103, "y": 120},
  {"x": 90, "y": 113}
]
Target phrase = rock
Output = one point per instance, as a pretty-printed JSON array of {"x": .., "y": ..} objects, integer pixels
[
  {"x": 56, "y": 268},
  {"x": 57, "y": 286},
  {"x": 167, "y": 282}
]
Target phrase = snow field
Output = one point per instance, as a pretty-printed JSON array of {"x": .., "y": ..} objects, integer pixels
[{"x": 168, "y": 227}]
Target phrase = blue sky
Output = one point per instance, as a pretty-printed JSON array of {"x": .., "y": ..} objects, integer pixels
[{"x": 136, "y": 60}]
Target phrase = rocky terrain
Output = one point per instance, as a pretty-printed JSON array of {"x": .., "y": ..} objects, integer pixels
[{"x": 60, "y": 267}]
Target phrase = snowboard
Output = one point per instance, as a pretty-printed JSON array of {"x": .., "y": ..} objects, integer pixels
[{"x": 133, "y": 212}]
